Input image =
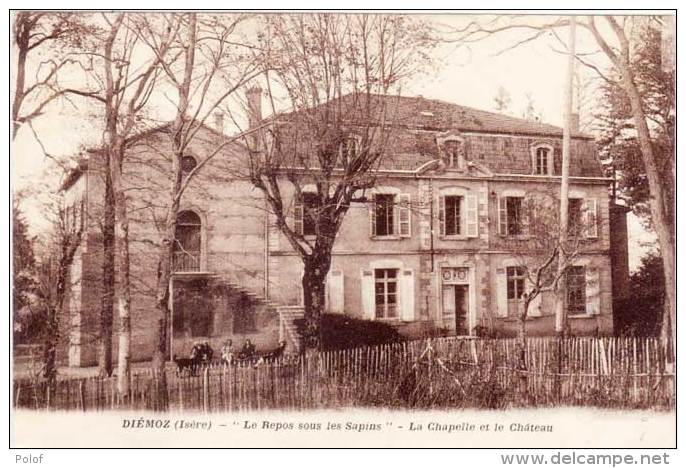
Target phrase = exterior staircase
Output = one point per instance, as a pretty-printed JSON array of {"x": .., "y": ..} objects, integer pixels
[{"x": 288, "y": 330}]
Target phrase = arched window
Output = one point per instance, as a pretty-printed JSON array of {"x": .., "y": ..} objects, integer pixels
[
  {"x": 187, "y": 242},
  {"x": 188, "y": 163}
]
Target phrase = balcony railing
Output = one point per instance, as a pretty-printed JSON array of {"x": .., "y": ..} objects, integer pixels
[{"x": 186, "y": 261}]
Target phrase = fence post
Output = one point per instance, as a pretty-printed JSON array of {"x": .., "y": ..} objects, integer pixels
[
  {"x": 206, "y": 390},
  {"x": 82, "y": 395}
]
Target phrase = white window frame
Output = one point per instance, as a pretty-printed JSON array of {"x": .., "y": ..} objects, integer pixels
[
  {"x": 405, "y": 290},
  {"x": 386, "y": 280}
]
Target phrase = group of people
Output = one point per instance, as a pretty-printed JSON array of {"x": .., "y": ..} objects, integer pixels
[
  {"x": 231, "y": 357},
  {"x": 201, "y": 353}
]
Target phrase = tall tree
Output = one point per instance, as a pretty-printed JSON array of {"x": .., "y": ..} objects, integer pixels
[
  {"x": 53, "y": 276},
  {"x": 335, "y": 72},
  {"x": 205, "y": 66},
  {"x": 23, "y": 265},
  {"x": 126, "y": 76},
  {"x": 618, "y": 62}
]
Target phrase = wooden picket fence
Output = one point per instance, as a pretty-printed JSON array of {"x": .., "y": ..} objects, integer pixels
[{"x": 436, "y": 373}]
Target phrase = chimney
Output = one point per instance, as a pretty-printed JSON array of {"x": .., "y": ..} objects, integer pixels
[
  {"x": 254, "y": 95},
  {"x": 219, "y": 121},
  {"x": 574, "y": 122}
]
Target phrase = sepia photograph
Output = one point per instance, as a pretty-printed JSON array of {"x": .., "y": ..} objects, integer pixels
[{"x": 342, "y": 228}]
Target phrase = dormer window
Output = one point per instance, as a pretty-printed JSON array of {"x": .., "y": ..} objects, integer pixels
[
  {"x": 542, "y": 155},
  {"x": 188, "y": 163},
  {"x": 350, "y": 147},
  {"x": 542, "y": 159},
  {"x": 453, "y": 154}
]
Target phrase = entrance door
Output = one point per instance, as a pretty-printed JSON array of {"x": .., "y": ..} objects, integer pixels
[{"x": 461, "y": 309}]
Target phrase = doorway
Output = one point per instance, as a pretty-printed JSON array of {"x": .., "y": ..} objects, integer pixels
[
  {"x": 456, "y": 305},
  {"x": 461, "y": 309}
]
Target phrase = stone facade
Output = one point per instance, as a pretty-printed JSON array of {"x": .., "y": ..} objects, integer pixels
[{"x": 247, "y": 269}]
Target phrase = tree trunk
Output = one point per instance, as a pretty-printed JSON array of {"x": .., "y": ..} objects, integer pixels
[
  {"x": 521, "y": 354},
  {"x": 165, "y": 260},
  {"x": 19, "y": 86},
  {"x": 124, "y": 298},
  {"x": 50, "y": 345},
  {"x": 162, "y": 299},
  {"x": 561, "y": 299},
  {"x": 67, "y": 252},
  {"x": 107, "y": 299},
  {"x": 314, "y": 292},
  {"x": 657, "y": 200}
]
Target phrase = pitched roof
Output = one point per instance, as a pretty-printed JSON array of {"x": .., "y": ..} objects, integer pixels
[
  {"x": 433, "y": 114},
  {"x": 82, "y": 164}
]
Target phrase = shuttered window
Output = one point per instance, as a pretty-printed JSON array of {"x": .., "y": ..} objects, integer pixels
[
  {"x": 384, "y": 210},
  {"x": 386, "y": 293},
  {"x": 514, "y": 215},
  {"x": 391, "y": 215}
]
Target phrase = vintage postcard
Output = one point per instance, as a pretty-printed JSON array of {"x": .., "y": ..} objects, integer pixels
[{"x": 343, "y": 229}]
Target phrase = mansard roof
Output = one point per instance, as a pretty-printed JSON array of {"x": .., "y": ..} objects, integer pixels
[
  {"x": 433, "y": 114},
  {"x": 500, "y": 143}
]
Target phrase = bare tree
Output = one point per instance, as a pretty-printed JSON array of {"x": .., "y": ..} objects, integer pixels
[
  {"x": 126, "y": 79},
  {"x": 530, "y": 111},
  {"x": 612, "y": 37},
  {"x": 544, "y": 260},
  {"x": 502, "y": 100},
  {"x": 204, "y": 69},
  {"x": 34, "y": 32},
  {"x": 336, "y": 73},
  {"x": 53, "y": 280}
]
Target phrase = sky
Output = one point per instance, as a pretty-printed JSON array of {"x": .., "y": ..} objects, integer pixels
[{"x": 464, "y": 75}]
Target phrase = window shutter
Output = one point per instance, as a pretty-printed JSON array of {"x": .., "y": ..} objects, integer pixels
[
  {"x": 372, "y": 216},
  {"x": 441, "y": 215},
  {"x": 404, "y": 215},
  {"x": 535, "y": 307},
  {"x": 591, "y": 218},
  {"x": 368, "y": 299},
  {"x": 406, "y": 295},
  {"x": 502, "y": 216},
  {"x": 472, "y": 216},
  {"x": 336, "y": 292},
  {"x": 592, "y": 291},
  {"x": 501, "y": 291},
  {"x": 298, "y": 216}
]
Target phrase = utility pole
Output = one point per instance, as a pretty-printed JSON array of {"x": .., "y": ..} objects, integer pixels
[{"x": 560, "y": 304}]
